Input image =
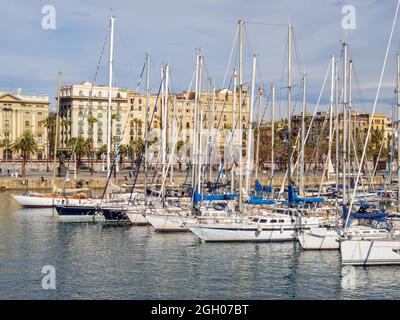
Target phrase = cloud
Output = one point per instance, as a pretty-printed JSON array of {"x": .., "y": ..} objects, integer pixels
[{"x": 171, "y": 30}]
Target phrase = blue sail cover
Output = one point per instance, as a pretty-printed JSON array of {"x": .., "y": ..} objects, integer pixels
[
  {"x": 259, "y": 200},
  {"x": 228, "y": 196},
  {"x": 258, "y": 187},
  {"x": 293, "y": 198},
  {"x": 357, "y": 215}
]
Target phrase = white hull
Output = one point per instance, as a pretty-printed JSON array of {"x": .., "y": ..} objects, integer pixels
[
  {"x": 169, "y": 223},
  {"x": 48, "y": 202},
  {"x": 319, "y": 239},
  {"x": 370, "y": 252},
  {"x": 249, "y": 233}
]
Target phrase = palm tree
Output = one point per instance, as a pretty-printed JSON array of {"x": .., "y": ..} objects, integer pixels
[
  {"x": 91, "y": 121},
  {"x": 48, "y": 123},
  {"x": 26, "y": 145},
  {"x": 5, "y": 144},
  {"x": 81, "y": 147}
]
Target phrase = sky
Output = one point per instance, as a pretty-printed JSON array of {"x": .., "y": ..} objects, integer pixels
[{"x": 31, "y": 57}]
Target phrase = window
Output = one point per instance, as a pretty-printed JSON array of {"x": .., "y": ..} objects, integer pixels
[
  {"x": 80, "y": 93},
  {"x": 6, "y": 123},
  {"x": 273, "y": 221},
  {"x": 99, "y": 94},
  {"x": 263, "y": 221},
  {"x": 27, "y": 123},
  {"x": 39, "y": 137},
  {"x": 281, "y": 221}
]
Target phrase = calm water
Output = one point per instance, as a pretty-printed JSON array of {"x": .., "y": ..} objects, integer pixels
[{"x": 96, "y": 262}]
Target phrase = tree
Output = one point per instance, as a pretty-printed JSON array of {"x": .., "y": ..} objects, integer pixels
[
  {"x": 80, "y": 147},
  {"x": 48, "y": 123},
  {"x": 91, "y": 121},
  {"x": 6, "y": 144},
  {"x": 25, "y": 145}
]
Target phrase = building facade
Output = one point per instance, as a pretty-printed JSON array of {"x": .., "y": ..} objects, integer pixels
[{"x": 20, "y": 113}]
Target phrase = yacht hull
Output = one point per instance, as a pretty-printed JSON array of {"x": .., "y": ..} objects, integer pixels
[
  {"x": 169, "y": 223},
  {"x": 370, "y": 252},
  {"x": 319, "y": 239},
  {"x": 49, "y": 202},
  {"x": 229, "y": 233}
]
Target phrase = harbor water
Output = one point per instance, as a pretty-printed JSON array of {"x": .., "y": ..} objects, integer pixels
[{"x": 92, "y": 261}]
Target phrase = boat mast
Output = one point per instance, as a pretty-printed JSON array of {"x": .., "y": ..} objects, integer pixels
[
  {"x": 164, "y": 128},
  {"x": 337, "y": 130},
  {"x": 331, "y": 113},
  {"x": 233, "y": 130},
  {"x": 344, "y": 120},
  {"x": 240, "y": 112},
  {"x": 172, "y": 150},
  {"x": 272, "y": 129},
  {"x": 146, "y": 126},
  {"x": 398, "y": 128},
  {"x": 194, "y": 153},
  {"x": 109, "y": 110},
  {"x": 57, "y": 129},
  {"x": 303, "y": 135},
  {"x": 260, "y": 93},
  {"x": 349, "y": 128},
  {"x": 250, "y": 130},
  {"x": 200, "y": 127},
  {"x": 289, "y": 98},
  {"x": 211, "y": 130}
]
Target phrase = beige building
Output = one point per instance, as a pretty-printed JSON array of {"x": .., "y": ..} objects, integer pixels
[
  {"x": 79, "y": 102},
  {"x": 19, "y": 113}
]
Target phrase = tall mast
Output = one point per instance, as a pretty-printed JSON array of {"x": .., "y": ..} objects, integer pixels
[
  {"x": 109, "y": 110},
  {"x": 240, "y": 112},
  {"x": 200, "y": 127},
  {"x": 164, "y": 126},
  {"x": 331, "y": 112},
  {"x": 349, "y": 128},
  {"x": 194, "y": 153},
  {"x": 289, "y": 99},
  {"x": 344, "y": 137},
  {"x": 234, "y": 132},
  {"x": 173, "y": 133},
  {"x": 146, "y": 126},
  {"x": 303, "y": 135},
  {"x": 260, "y": 93},
  {"x": 57, "y": 129},
  {"x": 211, "y": 128},
  {"x": 272, "y": 129},
  {"x": 398, "y": 128},
  {"x": 250, "y": 130},
  {"x": 337, "y": 130}
]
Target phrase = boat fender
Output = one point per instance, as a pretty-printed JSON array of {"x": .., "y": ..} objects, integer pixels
[
  {"x": 259, "y": 229},
  {"x": 281, "y": 229}
]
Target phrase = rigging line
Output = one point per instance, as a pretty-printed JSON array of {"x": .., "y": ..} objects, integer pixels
[
  {"x": 131, "y": 111},
  {"x": 143, "y": 147},
  {"x": 373, "y": 112},
  {"x": 230, "y": 57},
  {"x": 89, "y": 100},
  {"x": 297, "y": 54}
]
